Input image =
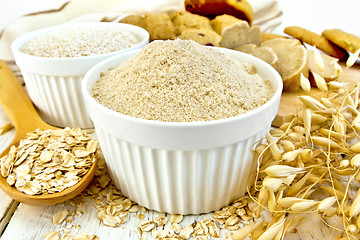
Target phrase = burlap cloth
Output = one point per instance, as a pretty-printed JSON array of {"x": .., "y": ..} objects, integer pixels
[{"x": 267, "y": 14}]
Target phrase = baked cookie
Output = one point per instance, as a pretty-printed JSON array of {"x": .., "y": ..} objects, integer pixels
[
  {"x": 345, "y": 40},
  {"x": 234, "y": 32},
  {"x": 159, "y": 26},
  {"x": 264, "y": 53},
  {"x": 136, "y": 20},
  {"x": 186, "y": 20},
  {"x": 292, "y": 61},
  {"x": 317, "y": 40},
  {"x": 202, "y": 36},
  {"x": 220, "y": 22},
  {"x": 255, "y": 35}
]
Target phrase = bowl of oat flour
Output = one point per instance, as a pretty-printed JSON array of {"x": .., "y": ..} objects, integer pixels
[
  {"x": 54, "y": 60},
  {"x": 176, "y": 122}
]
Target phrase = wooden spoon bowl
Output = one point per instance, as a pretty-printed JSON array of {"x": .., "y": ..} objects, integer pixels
[{"x": 25, "y": 118}]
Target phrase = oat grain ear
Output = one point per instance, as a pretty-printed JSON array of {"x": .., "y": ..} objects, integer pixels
[{"x": 304, "y": 83}]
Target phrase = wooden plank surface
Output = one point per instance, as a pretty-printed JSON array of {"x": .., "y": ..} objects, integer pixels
[
  {"x": 31, "y": 223},
  {"x": 290, "y": 102}
]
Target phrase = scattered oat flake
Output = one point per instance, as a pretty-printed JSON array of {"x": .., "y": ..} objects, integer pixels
[
  {"x": 160, "y": 220},
  {"x": 146, "y": 225},
  {"x": 111, "y": 221},
  {"x": 84, "y": 236},
  {"x": 59, "y": 217},
  {"x": 176, "y": 218},
  {"x": 134, "y": 208},
  {"x": 53, "y": 235},
  {"x": 113, "y": 209},
  {"x": 66, "y": 237}
]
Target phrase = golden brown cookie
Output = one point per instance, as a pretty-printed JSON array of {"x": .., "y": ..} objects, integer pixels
[
  {"x": 159, "y": 26},
  {"x": 317, "y": 40},
  {"x": 345, "y": 40},
  {"x": 203, "y": 36},
  {"x": 186, "y": 20},
  {"x": 136, "y": 20}
]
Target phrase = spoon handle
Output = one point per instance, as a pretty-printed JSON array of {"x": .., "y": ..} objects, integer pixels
[{"x": 16, "y": 102}]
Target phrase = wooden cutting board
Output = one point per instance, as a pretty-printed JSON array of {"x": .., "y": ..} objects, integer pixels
[{"x": 290, "y": 102}]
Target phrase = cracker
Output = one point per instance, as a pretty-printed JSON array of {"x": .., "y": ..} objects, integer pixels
[
  {"x": 317, "y": 40},
  {"x": 345, "y": 40}
]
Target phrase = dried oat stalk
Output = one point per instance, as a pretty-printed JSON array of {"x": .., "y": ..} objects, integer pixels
[{"x": 319, "y": 151}]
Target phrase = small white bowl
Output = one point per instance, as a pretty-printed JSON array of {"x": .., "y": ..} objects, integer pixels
[
  {"x": 54, "y": 84},
  {"x": 181, "y": 167}
]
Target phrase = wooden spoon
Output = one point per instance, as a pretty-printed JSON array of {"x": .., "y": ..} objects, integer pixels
[{"x": 25, "y": 118}]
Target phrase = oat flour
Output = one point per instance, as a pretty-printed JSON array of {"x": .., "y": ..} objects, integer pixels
[{"x": 182, "y": 81}]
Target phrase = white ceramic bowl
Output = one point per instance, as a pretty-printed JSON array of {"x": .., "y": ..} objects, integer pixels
[
  {"x": 54, "y": 84},
  {"x": 181, "y": 167}
]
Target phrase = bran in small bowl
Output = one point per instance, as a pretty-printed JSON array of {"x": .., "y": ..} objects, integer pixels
[
  {"x": 182, "y": 81},
  {"x": 80, "y": 42},
  {"x": 54, "y": 60},
  {"x": 176, "y": 122}
]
